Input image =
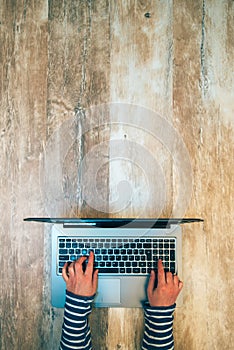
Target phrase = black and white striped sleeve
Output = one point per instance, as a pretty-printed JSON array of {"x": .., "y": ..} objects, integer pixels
[
  {"x": 76, "y": 333},
  {"x": 158, "y": 332}
]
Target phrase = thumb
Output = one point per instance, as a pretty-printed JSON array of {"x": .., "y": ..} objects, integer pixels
[
  {"x": 95, "y": 280},
  {"x": 150, "y": 287}
]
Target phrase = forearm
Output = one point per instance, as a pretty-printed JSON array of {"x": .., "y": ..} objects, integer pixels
[
  {"x": 158, "y": 332},
  {"x": 76, "y": 331}
]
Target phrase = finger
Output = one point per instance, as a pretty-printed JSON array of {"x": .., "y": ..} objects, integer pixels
[
  {"x": 95, "y": 281},
  {"x": 151, "y": 282},
  {"x": 79, "y": 264},
  {"x": 180, "y": 285},
  {"x": 89, "y": 268},
  {"x": 70, "y": 269},
  {"x": 169, "y": 278},
  {"x": 161, "y": 274},
  {"x": 176, "y": 280},
  {"x": 64, "y": 272}
]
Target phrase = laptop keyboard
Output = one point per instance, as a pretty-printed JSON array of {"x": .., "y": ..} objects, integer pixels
[{"x": 131, "y": 256}]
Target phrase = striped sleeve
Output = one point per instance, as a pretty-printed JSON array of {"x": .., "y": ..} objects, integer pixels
[
  {"x": 75, "y": 330},
  {"x": 158, "y": 333}
]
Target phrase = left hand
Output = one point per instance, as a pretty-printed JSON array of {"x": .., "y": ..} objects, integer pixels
[{"x": 79, "y": 282}]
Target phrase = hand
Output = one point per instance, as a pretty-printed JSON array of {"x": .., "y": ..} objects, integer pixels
[
  {"x": 168, "y": 288},
  {"x": 79, "y": 282}
]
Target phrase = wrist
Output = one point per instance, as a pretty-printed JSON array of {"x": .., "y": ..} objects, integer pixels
[
  {"x": 77, "y": 296},
  {"x": 159, "y": 307}
]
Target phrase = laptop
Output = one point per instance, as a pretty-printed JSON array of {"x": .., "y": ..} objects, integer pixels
[{"x": 125, "y": 252}]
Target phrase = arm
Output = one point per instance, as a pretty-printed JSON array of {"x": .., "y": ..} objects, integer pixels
[
  {"x": 81, "y": 288},
  {"x": 158, "y": 332}
]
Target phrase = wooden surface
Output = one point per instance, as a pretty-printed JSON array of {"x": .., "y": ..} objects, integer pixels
[{"x": 121, "y": 91}]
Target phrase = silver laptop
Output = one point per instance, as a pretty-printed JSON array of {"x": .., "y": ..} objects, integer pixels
[{"x": 125, "y": 252}]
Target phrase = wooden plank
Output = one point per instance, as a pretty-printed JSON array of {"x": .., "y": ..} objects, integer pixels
[
  {"x": 203, "y": 56},
  {"x": 23, "y": 113},
  {"x": 78, "y": 79},
  {"x": 140, "y": 165},
  {"x": 141, "y": 62}
]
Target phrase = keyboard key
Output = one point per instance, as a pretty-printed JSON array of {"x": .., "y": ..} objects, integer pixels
[
  {"x": 172, "y": 267},
  {"x": 172, "y": 254},
  {"x": 63, "y": 251},
  {"x": 109, "y": 270},
  {"x": 146, "y": 245},
  {"x": 64, "y": 257},
  {"x": 148, "y": 254}
]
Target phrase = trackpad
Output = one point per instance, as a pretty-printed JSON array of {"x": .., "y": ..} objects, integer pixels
[{"x": 108, "y": 291}]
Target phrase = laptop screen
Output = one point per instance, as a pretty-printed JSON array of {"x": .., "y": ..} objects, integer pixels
[{"x": 115, "y": 222}]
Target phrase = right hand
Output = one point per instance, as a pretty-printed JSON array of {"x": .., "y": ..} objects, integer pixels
[{"x": 168, "y": 288}]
